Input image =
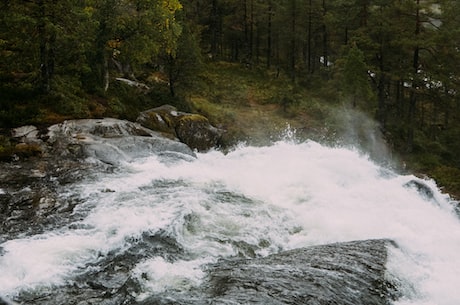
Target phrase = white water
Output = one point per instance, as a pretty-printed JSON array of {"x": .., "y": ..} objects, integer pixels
[{"x": 280, "y": 197}]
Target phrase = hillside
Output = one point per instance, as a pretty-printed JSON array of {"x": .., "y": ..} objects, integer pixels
[
  {"x": 253, "y": 106},
  {"x": 258, "y": 107}
]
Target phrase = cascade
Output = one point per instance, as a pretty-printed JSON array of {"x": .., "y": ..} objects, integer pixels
[{"x": 257, "y": 224}]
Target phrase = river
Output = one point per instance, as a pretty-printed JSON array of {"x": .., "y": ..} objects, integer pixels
[{"x": 157, "y": 222}]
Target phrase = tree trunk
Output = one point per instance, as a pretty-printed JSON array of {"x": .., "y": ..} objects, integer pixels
[
  {"x": 447, "y": 109},
  {"x": 381, "y": 110},
  {"x": 214, "y": 29},
  {"x": 381, "y": 101},
  {"x": 364, "y": 14},
  {"x": 46, "y": 45},
  {"x": 269, "y": 35},
  {"x": 257, "y": 45},
  {"x": 398, "y": 96},
  {"x": 106, "y": 79},
  {"x": 309, "y": 38},
  {"x": 172, "y": 75},
  {"x": 292, "y": 59},
  {"x": 251, "y": 32},
  {"x": 325, "y": 38},
  {"x": 101, "y": 56},
  {"x": 414, "y": 86}
]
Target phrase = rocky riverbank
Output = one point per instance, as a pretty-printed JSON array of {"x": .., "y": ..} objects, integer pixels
[{"x": 44, "y": 160}]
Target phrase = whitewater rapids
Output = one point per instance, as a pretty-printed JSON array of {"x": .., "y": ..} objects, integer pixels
[{"x": 250, "y": 202}]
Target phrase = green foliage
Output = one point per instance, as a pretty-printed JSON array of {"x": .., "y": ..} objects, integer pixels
[
  {"x": 292, "y": 59},
  {"x": 145, "y": 28},
  {"x": 18, "y": 104},
  {"x": 355, "y": 81},
  {"x": 448, "y": 177},
  {"x": 67, "y": 98},
  {"x": 6, "y": 148}
]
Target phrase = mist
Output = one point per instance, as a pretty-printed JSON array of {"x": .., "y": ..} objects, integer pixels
[{"x": 354, "y": 129}]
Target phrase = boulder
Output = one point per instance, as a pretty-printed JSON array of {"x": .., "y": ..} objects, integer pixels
[
  {"x": 104, "y": 128},
  {"x": 5, "y": 301},
  {"x": 161, "y": 119},
  {"x": 110, "y": 140},
  {"x": 421, "y": 187},
  {"x": 159, "y": 130},
  {"x": 348, "y": 273},
  {"x": 107, "y": 140},
  {"x": 196, "y": 131},
  {"x": 340, "y": 273},
  {"x": 192, "y": 129},
  {"x": 25, "y": 132},
  {"x": 28, "y": 141}
]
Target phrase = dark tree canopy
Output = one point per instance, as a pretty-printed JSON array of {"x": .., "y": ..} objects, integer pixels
[{"x": 397, "y": 59}]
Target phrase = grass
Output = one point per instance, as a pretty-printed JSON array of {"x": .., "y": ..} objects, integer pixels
[{"x": 252, "y": 105}]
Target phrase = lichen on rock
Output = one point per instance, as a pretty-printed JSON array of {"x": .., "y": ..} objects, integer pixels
[{"x": 194, "y": 130}]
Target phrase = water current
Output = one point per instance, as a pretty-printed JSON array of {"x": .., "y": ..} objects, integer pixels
[{"x": 248, "y": 203}]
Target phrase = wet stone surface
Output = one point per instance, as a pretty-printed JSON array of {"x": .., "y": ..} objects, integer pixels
[
  {"x": 31, "y": 186},
  {"x": 351, "y": 273},
  {"x": 31, "y": 198},
  {"x": 342, "y": 273}
]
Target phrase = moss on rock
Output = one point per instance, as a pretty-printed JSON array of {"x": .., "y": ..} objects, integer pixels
[{"x": 195, "y": 130}]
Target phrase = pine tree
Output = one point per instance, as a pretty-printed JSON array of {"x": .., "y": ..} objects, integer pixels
[{"x": 355, "y": 81}]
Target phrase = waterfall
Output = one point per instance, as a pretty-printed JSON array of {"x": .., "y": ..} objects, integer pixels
[{"x": 155, "y": 225}]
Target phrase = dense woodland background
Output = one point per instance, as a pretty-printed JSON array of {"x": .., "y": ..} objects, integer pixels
[{"x": 395, "y": 60}]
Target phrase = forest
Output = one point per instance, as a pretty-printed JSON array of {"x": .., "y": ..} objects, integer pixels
[{"x": 395, "y": 60}]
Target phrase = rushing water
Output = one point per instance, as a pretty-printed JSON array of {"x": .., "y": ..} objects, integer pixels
[{"x": 251, "y": 202}]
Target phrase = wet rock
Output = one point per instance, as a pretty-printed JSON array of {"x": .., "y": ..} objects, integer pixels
[
  {"x": 28, "y": 141},
  {"x": 350, "y": 273},
  {"x": 191, "y": 129},
  {"x": 25, "y": 132},
  {"x": 109, "y": 280},
  {"x": 105, "y": 139},
  {"x": 160, "y": 119},
  {"x": 421, "y": 187},
  {"x": 30, "y": 200},
  {"x": 104, "y": 128},
  {"x": 109, "y": 140},
  {"x": 46, "y": 160},
  {"x": 5, "y": 301},
  {"x": 196, "y": 131},
  {"x": 341, "y": 273}
]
